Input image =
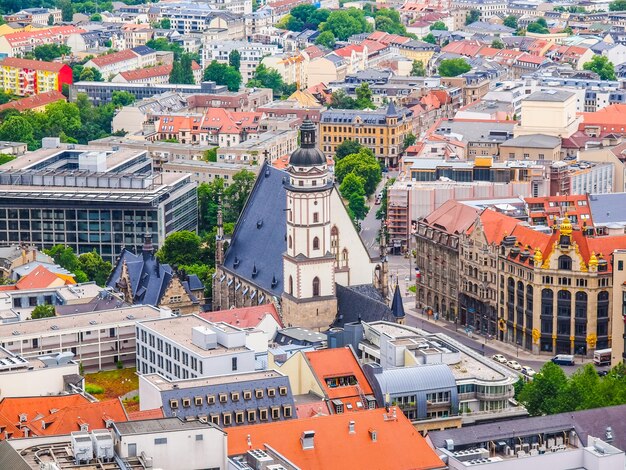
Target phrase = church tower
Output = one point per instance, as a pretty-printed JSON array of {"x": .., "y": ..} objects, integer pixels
[{"x": 309, "y": 297}]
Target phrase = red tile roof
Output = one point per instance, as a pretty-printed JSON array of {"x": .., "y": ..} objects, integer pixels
[
  {"x": 39, "y": 278},
  {"x": 245, "y": 317},
  {"x": 108, "y": 59},
  {"x": 57, "y": 415},
  {"x": 398, "y": 445},
  {"x": 467, "y": 48},
  {"x": 35, "y": 101},
  {"x": 36, "y": 36},
  {"x": 453, "y": 217},
  {"x": 149, "y": 72},
  {"x": 32, "y": 64},
  {"x": 145, "y": 414},
  {"x": 612, "y": 118}
]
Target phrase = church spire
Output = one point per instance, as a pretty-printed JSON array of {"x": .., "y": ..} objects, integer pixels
[
  {"x": 219, "y": 237},
  {"x": 397, "y": 307}
]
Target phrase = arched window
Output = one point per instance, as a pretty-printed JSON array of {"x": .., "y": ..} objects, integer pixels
[
  {"x": 334, "y": 243},
  {"x": 290, "y": 285},
  {"x": 316, "y": 243},
  {"x": 344, "y": 257},
  {"x": 316, "y": 287},
  {"x": 565, "y": 262},
  {"x": 603, "y": 304},
  {"x": 290, "y": 241}
]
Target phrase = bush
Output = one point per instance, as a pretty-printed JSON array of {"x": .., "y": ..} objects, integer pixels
[{"x": 93, "y": 389}]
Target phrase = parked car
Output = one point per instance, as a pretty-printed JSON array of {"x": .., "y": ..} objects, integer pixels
[
  {"x": 603, "y": 373},
  {"x": 499, "y": 358},
  {"x": 528, "y": 371},
  {"x": 514, "y": 365},
  {"x": 563, "y": 359}
]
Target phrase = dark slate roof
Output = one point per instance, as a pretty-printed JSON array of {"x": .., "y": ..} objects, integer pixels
[
  {"x": 397, "y": 306},
  {"x": 360, "y": 303},
  {"x": 10, "y": 458},
  {"x": 587, "y": 422},
  {"x": 95, "y": 305},
  {"x": 260, "y": 233},
  {"x": 149, "y": 278},
  {"x": 143, "y": 50},
  {"x": 607, "y": 208}
]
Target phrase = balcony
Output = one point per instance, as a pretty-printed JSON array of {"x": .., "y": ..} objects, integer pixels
[{"x": 494, "y": 396}]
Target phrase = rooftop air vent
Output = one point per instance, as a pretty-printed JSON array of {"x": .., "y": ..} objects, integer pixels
[
  {"x": 255, "y": 271},
  {"x": 236, "y": 262},
  {"x": 259, "y": 223}
]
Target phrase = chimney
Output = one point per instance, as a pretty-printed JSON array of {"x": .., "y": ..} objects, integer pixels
[
  {"x": 147, "y": 249},
  {"x": 307, "y": 440},
  {"x": 351, "y": 427},
  {"x": 25, "y": 430},
  {"x": 373, "y": 434}
]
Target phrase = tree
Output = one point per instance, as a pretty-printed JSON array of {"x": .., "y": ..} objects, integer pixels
[
  {"x": 409, "y": 140},
  {"x": 430, "y": 38},
  {"x": 363, "y": 164},
  {"x": 497, "y": 44},
  {"x": 90, "y": 74},
  {"x": 223, "y": 74},
  {"x": 267, "y": 77},
  {"x": 542, "y": 395},
  {"x": 357, "y": 206},
  {"x": 438, "y": 26},
  {"x": 364, "y": 96},
  {"x": 340, "y": 100},
  {"x": 95, "y": 268},
  {"x": 208, "y": 200},
  {"x": 211, "y": 155},
  {"x": 180, "y": 248},
  {"x": 617, "y": 5},
  {"x": 352, "y": 190},
  {"x": 510, "y": 22},
  {"x": 49, "y": 52},
  {"x": 122, "y": 98},
  {"x": 234, "y": 59},
  {"x": 236, "y": 195},
  {"x": 536, "y": 27},
  {"x": 417, "y": 70},
  {"x": 326, "y": 39},
  {"x": 472, "y": 16},
  {"x": 347, "y": 147},
  {"x": 389, "y": 21},
  {"x": 453, "y": 67},
  {"x": 18, "y": 129},
  {"x": 345, "y": 23},
  {"x": 602, "y": 66},
  {"x": 165, "y": 23},
  {"x": 42, "y": 311},
  {"x": 50, "y": 19},
  {"x": 182, "y": 71},
  {"x": 97, "y": 17},
  {"x": 162, "y": 44},
  {"x": 67, "y": 9}
]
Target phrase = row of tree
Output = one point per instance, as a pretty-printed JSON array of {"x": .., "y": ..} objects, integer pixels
[{"x": 551, "y": 391}]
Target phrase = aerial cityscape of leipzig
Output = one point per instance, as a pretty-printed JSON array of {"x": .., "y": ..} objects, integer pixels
[{"x": 312, "y": 234}]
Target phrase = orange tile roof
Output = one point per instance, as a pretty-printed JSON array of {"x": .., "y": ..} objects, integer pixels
[
  {"x": 244, "y": 317},
  {"x": 146, "y": 414},
  {"x": 310, "y": 410},
  {"x": 339, "y": 362},
  {"x": 398, "y": 445},
  {"x": 38, "y": 35},
  {"x": 611, "y": 118},
  {"x": 466, "y": 48},
  {"x": 32, "y": 64},
  {"x": 40, "y": 278},
  {"x": 108, "y": 59},
  {"x": 452, "y": 216},
  {"x": 149, "y": 72},
  {"x": 57, "y": 415},
  {"x": 35, "y": 101}
]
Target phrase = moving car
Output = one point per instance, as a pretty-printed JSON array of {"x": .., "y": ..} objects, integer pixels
[
  {"x": 514, "y": 365},
  {"x": 563, "y": 359},
  {"x": 499, "y": 358},
  {"x": 528, "y": 371}
]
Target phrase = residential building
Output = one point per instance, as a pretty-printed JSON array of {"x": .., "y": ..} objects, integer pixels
[
  {"x": 136, "y": 35},
  {"x": 206, "y": 172},
  {"x": 549, "y": 112},
  {"x": 225, "y": 400},
  {"x": 262, "y": 317},
  {"x": 164, "y": 441},
  {"x": 25, "y": 77},
  {"x": 549, "y": 210},
  {"x": 541, "y": 148},
  {"x": 97, "y": 339},
  {"x": 242, "y": 101},
  {"x": 35, "y": 103},
  {"x": 437, "y": 245},
  {"x": 482, "y": 138},
  {"x": 618, "y": 331},
  {"x": 51, "y": 375},
  {"x": 138, "y": 118},
  {"x": 35, "y": 16},
  {"x": 109, "y": 65},
  {"x": 190, "y": 347},
  {"x": 581, "y": 177},
  {"x": 93, "y": 209},
  {"x": 141, "y": 280},
  {"x": 382, "y": 131},
  {"x": 154, "y": 75},
  {"x": 335, "y": 375},
  {"x": 474, "y": 85},
  {"x": 267, "y": 146},
  {"x": 368, "y": 440},
  {"x": 18, "y": 43},
  {"x": 251, "y": 55},
  {"x": 487, "y": 8},
  {"x": 56, "y": 415},
  {"x": 197, "y": 17},
  {"x": 610, "y": 119}
]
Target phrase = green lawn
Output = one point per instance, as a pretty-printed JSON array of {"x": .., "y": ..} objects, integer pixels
[{"x": 113, "y": 383}]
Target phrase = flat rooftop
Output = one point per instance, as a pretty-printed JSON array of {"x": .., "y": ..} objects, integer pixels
[
  {"x": 148, "y": 426},
  {"x": 58, "y": 325},
  {"x": 163, "y": 384}
]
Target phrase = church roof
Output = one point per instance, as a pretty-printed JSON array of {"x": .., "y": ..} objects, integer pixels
[
  {"x": 360, "y": 303},
  {"x": 308, "y": 154},
  {"x": 259, "y": 237},
  {"x": 397, "y": 307}
]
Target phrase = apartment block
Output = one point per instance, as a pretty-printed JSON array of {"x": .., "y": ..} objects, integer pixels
[
  {"x": 251, "y": 54},
  {"x": 25, "y": 77},
  {"x": 18, "y": 43}
]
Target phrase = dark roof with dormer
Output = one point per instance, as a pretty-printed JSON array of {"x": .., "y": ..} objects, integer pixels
[
  {"x": 360, "y": 303},
  {"x": 308, "y": 154}
]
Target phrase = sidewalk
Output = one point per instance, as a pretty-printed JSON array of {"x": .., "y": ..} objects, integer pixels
[{"x": 480, "y": 342}]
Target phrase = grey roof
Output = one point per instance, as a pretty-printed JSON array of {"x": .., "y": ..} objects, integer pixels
[
  {"x": 587, "y": 422},
  {"x": 550, "y": 95},
  {"x": 95, "y": 305},
  {"x": 368, "y": 117},
  {"x": 410, "y": 379},
  {"x": 259, "y": 239},
  {"x": 606, "y": 208},
  {"x": 147, "y": 426},
  {"x": 143, "y": 50},
  {"x": 477, "y": 131},
  {"x": 360, "y": 303},
  {"x": 485, "y": 26},
  {"x": 397, "y": 306},
  {"x": 10, "y": 458},
  {"x": 302, "y": 335},
  {"x": 534, "y": 141}
]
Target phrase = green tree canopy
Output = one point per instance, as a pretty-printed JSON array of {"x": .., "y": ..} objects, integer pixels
[
  {"x": 409, "y": 140},
  {"x": 389, "y": 21},
  {"x": 430, "y": 38},
  {"x": 345, "y": 23},
  {"x": 438, "y": 26},
  {"x": 211, "y": 155},
  {"x": 208, "y": 200},
  {"x": 472, "y": 16},
  {"x": 364, "y": 96},
  {"x": 267, "y": 77},
  {"x": 182, "y": 71},
  {"x": 234, "y": 59},
  {"x": 50, "y": 19},
  {"x": 363, "y": 164},
  {"x": 541, "y": 395},
  {"x": 49, "y": 52},
  {"x": 162, "y": 44},
  {"x": 95, "y": 268},
  {"x": 347, "y": 147},
  {"x": 67, "y": 9},
  {"x": 223, "y": 74},
  {"x": 96, "y": 17},
  {"x": 88, "y": 74},
  {"x": 180, "y": 248},
  {"x": 617, "y": 5},
  {"x": 165, "y": 23},
  {"x": 352, "y": 190},
  {"x": 326, "y": 39},
  {"x": 340, "y": 100},
  {"x": 236, "y": 195},
  {"x": 453, "y": 67},
  {"x": 42, "y": 311},
  {"x": 602, "y": 66},
  {"x": 18, "y": 129},
  {"x": 510, "y": 22},
  {"x": 122, "y": 98},
  {"x": 497, "y": 44},
  {"x": 417, "y": 70}
]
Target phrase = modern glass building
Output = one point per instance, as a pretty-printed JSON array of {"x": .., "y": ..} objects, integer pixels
[{"x": 89, "y": 199}]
